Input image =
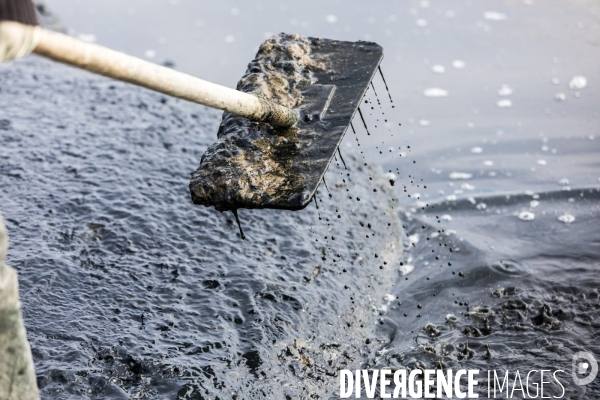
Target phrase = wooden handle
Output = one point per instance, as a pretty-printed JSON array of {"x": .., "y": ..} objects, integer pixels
[{"x": 117, "y": 65}]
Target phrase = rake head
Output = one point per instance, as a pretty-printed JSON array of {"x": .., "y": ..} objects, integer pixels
[{"x": 254, "y": 165}]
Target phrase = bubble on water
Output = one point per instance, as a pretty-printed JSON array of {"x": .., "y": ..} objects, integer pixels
[
  {"x": 451, "y": 319},
  {"x": 534, "y": 203},
  {"x": 435, "y": 92},
  {"x": 438, "y": 69},
  {"x": 406, "y": 269},
  {"x": 577, "y": 82},
  {"x": 229, "y": 39},
  {"x": 424, "y": 122},
  {"x": 505, "y": 90},
  {"x": 504, "y": 103},
  {"x": 467, "y": 186},
  {"x": 481, "y": 206},
  {"x": 560, "y": 96},
  {"x": 421, "y": 22},
  {"x": 526, "y": 216},
  {"x": 541, "y": 162},
  {"x": 566, "y": 218},
  {"x": 476, "y": 150},
  {"x": 494, "y": 16},
  {"x": 555, "y": 81},
  {"x": 460, "y": 175},
  {"x": 563, "y": 182},
  {"x": 488, "y": 163},
  {"x": 150, "y": 53},
  {"x": 446, "y": 217},
  {"x": 458, "y": 64},
  {"x": 332, "y": 19}
]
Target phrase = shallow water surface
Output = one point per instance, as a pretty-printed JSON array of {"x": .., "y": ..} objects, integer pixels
[{"x": 489, "y": 154}]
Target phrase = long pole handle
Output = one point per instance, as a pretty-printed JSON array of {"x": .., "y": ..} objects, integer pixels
[{"x": 17, "y": 40}]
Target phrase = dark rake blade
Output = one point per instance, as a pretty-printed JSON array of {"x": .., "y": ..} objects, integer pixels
[{"x": 253, "y": 165}]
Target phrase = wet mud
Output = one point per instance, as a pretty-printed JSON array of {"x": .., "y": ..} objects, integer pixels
[{"x": 130, "y": 291}]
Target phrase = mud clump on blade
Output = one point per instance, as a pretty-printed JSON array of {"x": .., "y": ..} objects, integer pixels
[{"x": 252, "y": 162}]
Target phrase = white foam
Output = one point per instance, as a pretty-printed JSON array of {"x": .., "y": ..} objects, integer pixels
[
  {"x": 438, "y": 69},
  {"x": 494, "y": 16},
  {"x": 406, "y": 269},
  {"x": 504, "y": 103},
  {"x": 526, "y": 216},
  {"x": 435, "y": 92},
  {"x": 460, "y": 175},
  {"x": 476, "y": 150},
  {"x": 566, "y": 218},
  {"x": 505, "y": 90},
  {"x": 458, "y": 64},
  {"x": 332, "y": 19},
  {"x": 577, "y": 82}
]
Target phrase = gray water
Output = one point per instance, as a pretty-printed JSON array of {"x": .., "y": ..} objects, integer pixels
[{"x": 94, "y": 190}]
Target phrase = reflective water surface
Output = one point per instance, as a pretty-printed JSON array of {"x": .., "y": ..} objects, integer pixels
[{"x": 130, "y": 291}]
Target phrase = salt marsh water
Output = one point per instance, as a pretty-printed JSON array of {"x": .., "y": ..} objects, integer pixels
[{"x": 129, "y": 291}]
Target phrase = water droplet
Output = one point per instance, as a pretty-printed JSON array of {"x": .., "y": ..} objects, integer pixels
[{"x": 526, "y": 216}]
